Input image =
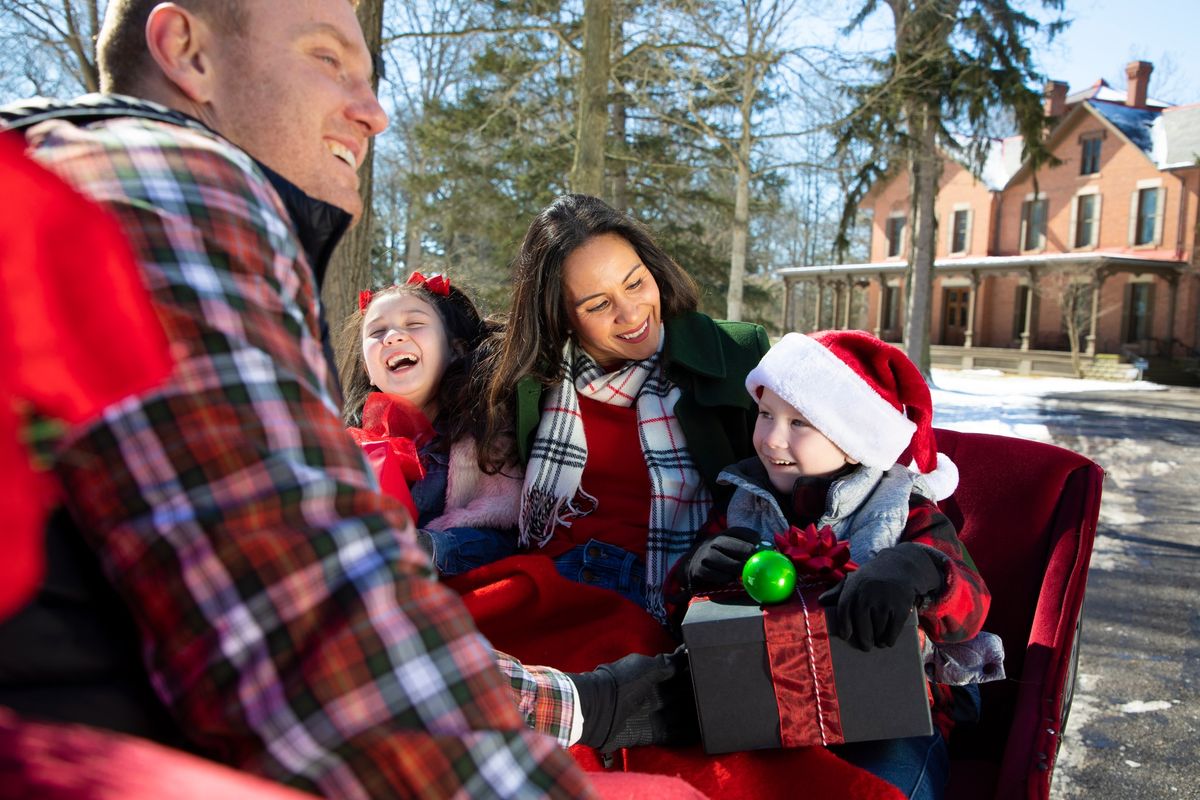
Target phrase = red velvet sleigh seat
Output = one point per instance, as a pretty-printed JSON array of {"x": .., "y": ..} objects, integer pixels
[{"x": 1027, "y": 512}]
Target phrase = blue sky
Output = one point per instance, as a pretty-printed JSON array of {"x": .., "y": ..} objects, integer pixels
[{"x": 1107, "y": 34}]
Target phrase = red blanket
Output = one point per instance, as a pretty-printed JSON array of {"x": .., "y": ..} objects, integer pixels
[{"x": 528, "y": 610}]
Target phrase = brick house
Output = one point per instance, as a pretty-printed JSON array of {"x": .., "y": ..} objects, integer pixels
[{"x": 1102, "y": 244}]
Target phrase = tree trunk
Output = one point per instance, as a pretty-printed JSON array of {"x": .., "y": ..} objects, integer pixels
[
  {"x": 925, "y": 171},
  {"x": 741, "y": 224},
  {"x": 587, "y": 173},
  {"x": 349, "y": 269},
  {"x": 619, "y": 172}
]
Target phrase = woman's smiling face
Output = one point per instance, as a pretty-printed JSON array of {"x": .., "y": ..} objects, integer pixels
[{"x": 612, "y": 301}]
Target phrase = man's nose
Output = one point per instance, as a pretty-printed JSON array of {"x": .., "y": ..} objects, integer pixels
[{"x": 365, "y": 109}]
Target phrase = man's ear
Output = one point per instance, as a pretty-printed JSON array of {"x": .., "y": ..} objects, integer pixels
[{"x": 180, "y": 44}]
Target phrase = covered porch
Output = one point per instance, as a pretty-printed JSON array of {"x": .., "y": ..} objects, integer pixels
[{"x": 1014, "y": 313}]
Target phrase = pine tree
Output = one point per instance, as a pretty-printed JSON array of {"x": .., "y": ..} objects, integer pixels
[{"x": 952, "y": 65}]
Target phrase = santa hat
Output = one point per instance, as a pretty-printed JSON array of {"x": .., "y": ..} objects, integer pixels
[{"x": 864, "y": 395}]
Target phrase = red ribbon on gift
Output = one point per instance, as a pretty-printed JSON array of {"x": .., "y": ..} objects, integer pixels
[
  {"x": 392, "y": 433},
  {"x": 818, "y": 555},
  {"x": 802, "y": 671},
  {"x": 798, "y": 640}
]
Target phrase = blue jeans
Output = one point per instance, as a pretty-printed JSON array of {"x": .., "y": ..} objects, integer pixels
[
  {"x": 918, "y": 766},
  {"x": 457, "y": 550},
  {"x": 607, "y": 566}
]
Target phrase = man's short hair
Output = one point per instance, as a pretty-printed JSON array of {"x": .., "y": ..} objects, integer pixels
[{"x": 121, "y": 54}]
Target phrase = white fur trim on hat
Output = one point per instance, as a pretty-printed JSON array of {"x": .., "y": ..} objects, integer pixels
[
  {"x": 943, "y": 480},
  {"x": 838, "y": 403}
]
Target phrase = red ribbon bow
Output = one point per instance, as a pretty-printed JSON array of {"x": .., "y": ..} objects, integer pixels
[
  {"x": 817, "y": 555},
  {"x": 364, "y": 299},
  {"x": 435, "y": 284}
]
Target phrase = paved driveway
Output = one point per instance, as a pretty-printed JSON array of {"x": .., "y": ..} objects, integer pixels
[{"x": 1134, "y": 730}]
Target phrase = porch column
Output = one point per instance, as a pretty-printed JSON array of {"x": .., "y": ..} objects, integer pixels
[
  {"x": 972, "y": 295},
  {"x": 849, "y": 303},
  {"x": 1027, "y": 334},
  {"x": 879, "y": 309},
  {"x": 1173, "y": 297},
  {"x": 1097, "y": 283},
  {"x": 817, "y": 310}
]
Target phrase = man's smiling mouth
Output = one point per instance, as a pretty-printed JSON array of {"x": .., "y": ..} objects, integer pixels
[{"x": 341, "y": 151}]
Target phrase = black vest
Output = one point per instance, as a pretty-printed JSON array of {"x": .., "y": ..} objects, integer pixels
[{"x": 73, "y": 654}]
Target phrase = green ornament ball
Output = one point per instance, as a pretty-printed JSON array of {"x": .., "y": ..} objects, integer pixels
[{"x": 769, "y": 577}]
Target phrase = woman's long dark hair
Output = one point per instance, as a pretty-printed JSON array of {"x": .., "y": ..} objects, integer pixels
[
  {"x": 458, "y": 413},
  {"x": 537, "y": 323}
]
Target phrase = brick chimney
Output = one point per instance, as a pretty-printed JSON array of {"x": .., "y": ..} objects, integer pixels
[
  {"x": 1138, "y": 77},
  {"x": 1055, "y": 102}
]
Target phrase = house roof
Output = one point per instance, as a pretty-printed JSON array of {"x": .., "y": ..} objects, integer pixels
[
  {"x": 1135, "y": 123},
  {"x": 1100, "y": 90},
  {"x": 1176, "y": 137}
]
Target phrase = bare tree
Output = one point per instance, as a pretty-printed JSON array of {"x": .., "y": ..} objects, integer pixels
[{"x": 48, "y": 47}]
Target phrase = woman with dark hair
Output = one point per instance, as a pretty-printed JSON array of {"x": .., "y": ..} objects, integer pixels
[{"x": 626, "y": 401}]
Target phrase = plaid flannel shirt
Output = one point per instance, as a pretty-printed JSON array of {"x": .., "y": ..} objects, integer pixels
[{"x": 289, "y": 619}]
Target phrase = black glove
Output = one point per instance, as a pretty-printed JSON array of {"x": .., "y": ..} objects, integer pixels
[
  {"x": 873, "y": 602},
  {"x": 637, "y": 700},
  {"x": 718, "y": 561}
]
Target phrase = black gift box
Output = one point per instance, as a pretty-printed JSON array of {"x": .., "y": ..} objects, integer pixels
[{"x": 881, "y": 693}]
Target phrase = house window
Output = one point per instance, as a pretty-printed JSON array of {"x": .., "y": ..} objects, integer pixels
[
  {"x": 1087, "y": 222},
  {"x": 895, "y": 235},
  {"x": 1033, "y": 224},
  {"x": 891, "y": 312},
  {"x": 1021, "y": 309},
  {"x": 1148, "y": 216},
  {"x": 1089, "y": 163},
  {"x": 1137, "y": 312},
  {"x": 958, "y": 237}
]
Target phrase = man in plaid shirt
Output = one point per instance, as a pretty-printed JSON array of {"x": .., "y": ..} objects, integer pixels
[{"x": 280, "y": 604}]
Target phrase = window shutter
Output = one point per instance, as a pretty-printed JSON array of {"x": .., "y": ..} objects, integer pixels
[
  {"x": 970, "y": 226},
  {"x": 1096, "y": 222},
  {"x": 1133, "y": 217},
  {"x": 1074, "y": 229},
  {"x": 1160, "y": 210}
]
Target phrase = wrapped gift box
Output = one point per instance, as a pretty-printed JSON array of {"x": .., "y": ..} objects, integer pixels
[{"x": 771, "y": 676}]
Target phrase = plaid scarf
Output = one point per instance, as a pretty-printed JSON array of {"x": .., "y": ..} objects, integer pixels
[{"x": 679, "y": 501}]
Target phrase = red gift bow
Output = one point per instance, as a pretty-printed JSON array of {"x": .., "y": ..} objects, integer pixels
[
  {"x": 436, "y": 284},
  {"x": 816, "y": 554}
]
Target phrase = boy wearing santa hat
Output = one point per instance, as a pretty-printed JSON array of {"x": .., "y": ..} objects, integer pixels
[{"x": 844, "y": 439}]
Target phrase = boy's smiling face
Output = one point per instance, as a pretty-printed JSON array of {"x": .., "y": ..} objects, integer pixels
[{"x": 789, "y": 447}]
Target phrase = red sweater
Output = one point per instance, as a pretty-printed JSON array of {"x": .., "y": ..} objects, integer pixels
[{"x": 616, "y": 475}]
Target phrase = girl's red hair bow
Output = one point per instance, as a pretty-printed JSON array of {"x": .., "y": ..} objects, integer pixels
[{"x": 436, "y": 284}]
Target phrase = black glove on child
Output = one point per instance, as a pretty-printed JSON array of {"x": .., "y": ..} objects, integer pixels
[
  {"x": 718, "y": 561},
  {"x": 637, "y": 700},
  {"x": 873, "y": 602}
]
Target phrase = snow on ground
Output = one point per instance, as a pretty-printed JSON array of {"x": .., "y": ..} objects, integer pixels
[{"x": 989, "y": 401}]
